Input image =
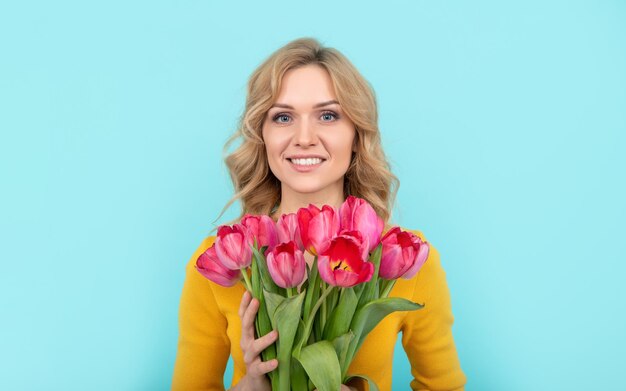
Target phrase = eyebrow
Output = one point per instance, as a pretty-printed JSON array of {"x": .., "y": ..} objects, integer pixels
[{"x": 330, "y": 102}]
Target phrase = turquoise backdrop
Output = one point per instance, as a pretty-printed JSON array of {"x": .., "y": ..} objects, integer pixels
[{"x": 504, "y": 120}]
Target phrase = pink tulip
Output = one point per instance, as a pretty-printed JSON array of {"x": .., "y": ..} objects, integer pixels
[
  {"x": 288, "y": 230},
  {"x": 263, "y": 228},
  {"x": 358, "y": 214},
  {"x": 286, "y": 265},
  {"x": 233, "y": 246},
  {"x": 210, "y": 267},
  {"x": 403, "y": 254},
  {"x": 318, "y": 227},
  {"x": 343, "y": 262}
]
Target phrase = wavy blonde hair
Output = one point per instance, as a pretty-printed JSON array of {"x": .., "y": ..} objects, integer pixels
[{"x": 368, "y": 176}]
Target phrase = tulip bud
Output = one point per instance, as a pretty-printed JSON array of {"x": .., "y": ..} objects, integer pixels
[
  {"x": 403, "y": 254},
  {"x": 358, "y": 214},
  {"x": 233, "y": 246},
  {"x": 210, "y": 267},
  {"x": 318, "y": 227},
  {"x": 263, "y": 228},
  {"x": 286, "y": 265},
  {"x": 288, "y": 230}
]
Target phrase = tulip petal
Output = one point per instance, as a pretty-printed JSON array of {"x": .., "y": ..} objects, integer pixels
[
  {"x": 391, "y": 263},
  {"x": 323, "y": 267},
  {"x": 286, "y": 265},
  {"x": 209, "y": 266},
  {"x": 421, "y": 257},
  {"x": 366, "y": 272},
  {"x": 345, "y": 278}
]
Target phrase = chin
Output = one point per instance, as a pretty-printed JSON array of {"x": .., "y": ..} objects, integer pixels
[{"x": 306, "y": 186}]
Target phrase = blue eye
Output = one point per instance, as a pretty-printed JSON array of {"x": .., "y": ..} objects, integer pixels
[
  {"x": 281, "y": 115},
  {"x": 329, "y": 116}
]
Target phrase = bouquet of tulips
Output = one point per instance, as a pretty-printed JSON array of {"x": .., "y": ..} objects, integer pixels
[{"x": 324, "y": 312}]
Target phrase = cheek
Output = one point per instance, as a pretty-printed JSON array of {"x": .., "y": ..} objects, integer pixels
[
  {"x": 343, "y": 146},
  {"x": 274, "y": 149}
]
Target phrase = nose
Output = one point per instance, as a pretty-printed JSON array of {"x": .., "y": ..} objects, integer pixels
[{"x": 305, "y": 134}]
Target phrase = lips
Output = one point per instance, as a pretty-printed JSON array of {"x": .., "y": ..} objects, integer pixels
[
  {"x": 304, "y": 167},
  {"x": 306, "y": 157},
  {"x": 303, "y": 161}
]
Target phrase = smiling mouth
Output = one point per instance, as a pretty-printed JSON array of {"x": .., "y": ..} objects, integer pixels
[{"x": 306, "y": 162}]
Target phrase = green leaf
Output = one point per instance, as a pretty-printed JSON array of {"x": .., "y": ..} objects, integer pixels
[
  {"x": 255, "y": 279},
  {"x": 265, "y": 326},
  {"x": 341, "y": 345},
  {"x": 332, "y": 300},
  {"x": 321, "y": 364},
  {"x": 373, "y": 312},
  {"x": 305, "y": 284},
  {"x": 372, "y": 385},
  {"x": 299, "y": 379},
  {"x": 287, "y": 318},
  {"x": 313, "y": 292},
  {"x": 370, "y": 289},
  {"x": 370, "y": 315},
  {"x": 262, "y": 321},
  {"x": 272, "y": 301},
  {"x": 312, "y": 320},
  {"x": 264, "y": 273},
  {"x": 341, "y": 317}
]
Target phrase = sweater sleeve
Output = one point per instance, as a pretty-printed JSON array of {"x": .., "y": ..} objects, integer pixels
[
  {"x": 203, "y": 346},
  {"x": 427, "y": 333}
]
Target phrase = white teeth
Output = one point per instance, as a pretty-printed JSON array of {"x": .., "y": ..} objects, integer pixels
[{"x": 306, "y": 162}]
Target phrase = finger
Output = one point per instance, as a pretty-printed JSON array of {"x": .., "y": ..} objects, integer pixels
[
  {"x": 245, "y": 300},
  {"x": 247, "y": 323},
  {"x": 261, "y": 343},
  {"x": 252, "y": 349},
  {"x": 262, "y": 367}
]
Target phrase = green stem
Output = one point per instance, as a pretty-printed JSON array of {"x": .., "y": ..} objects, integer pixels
[
  {"x": 309, "y": 322},
  {"x": 326, "y": 289},
  {"x": 388, "y": 287},
  {"x": 291, "y": 292},
  {"x": 247, "y": 280}
]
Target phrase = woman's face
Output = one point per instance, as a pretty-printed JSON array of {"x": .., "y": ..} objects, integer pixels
[{"x": 308, "y": 138}]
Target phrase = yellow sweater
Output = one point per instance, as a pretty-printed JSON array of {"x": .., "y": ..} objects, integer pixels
[{"x": 210, "y": 330}]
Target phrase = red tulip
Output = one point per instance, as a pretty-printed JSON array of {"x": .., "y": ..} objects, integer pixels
[
  {"x": 403, "y": 254},
  {"x": 358, "y": 214},
  {"x": 262, "y": 228},
  {"x": 360, "y": 240},
  {"x": 288, "y": 230},
  {"x": 343, "y": 262},
  {"x": 286, "y": 265},
  {"x": 210, "y": 267},
  {"x": 317, "y": 227},
  {"x": 233, "y": 246}
]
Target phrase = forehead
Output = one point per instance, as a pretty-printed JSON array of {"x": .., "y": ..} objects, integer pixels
[{"x": 306, "y": 86}]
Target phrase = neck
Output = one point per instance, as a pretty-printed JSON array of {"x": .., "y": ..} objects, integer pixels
[{"x": 290, "y": 203}]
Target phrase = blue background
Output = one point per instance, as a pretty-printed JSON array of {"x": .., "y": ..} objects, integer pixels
[{"x": 505, "y": 122}]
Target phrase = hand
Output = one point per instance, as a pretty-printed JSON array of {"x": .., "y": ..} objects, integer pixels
[{"x": 256, "y": 369}]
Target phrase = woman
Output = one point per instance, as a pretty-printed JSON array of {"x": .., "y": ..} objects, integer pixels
[{"x": 310, "y": 136}]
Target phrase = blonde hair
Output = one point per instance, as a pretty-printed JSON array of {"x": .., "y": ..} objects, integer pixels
[{"x": 368, "y": 176}]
